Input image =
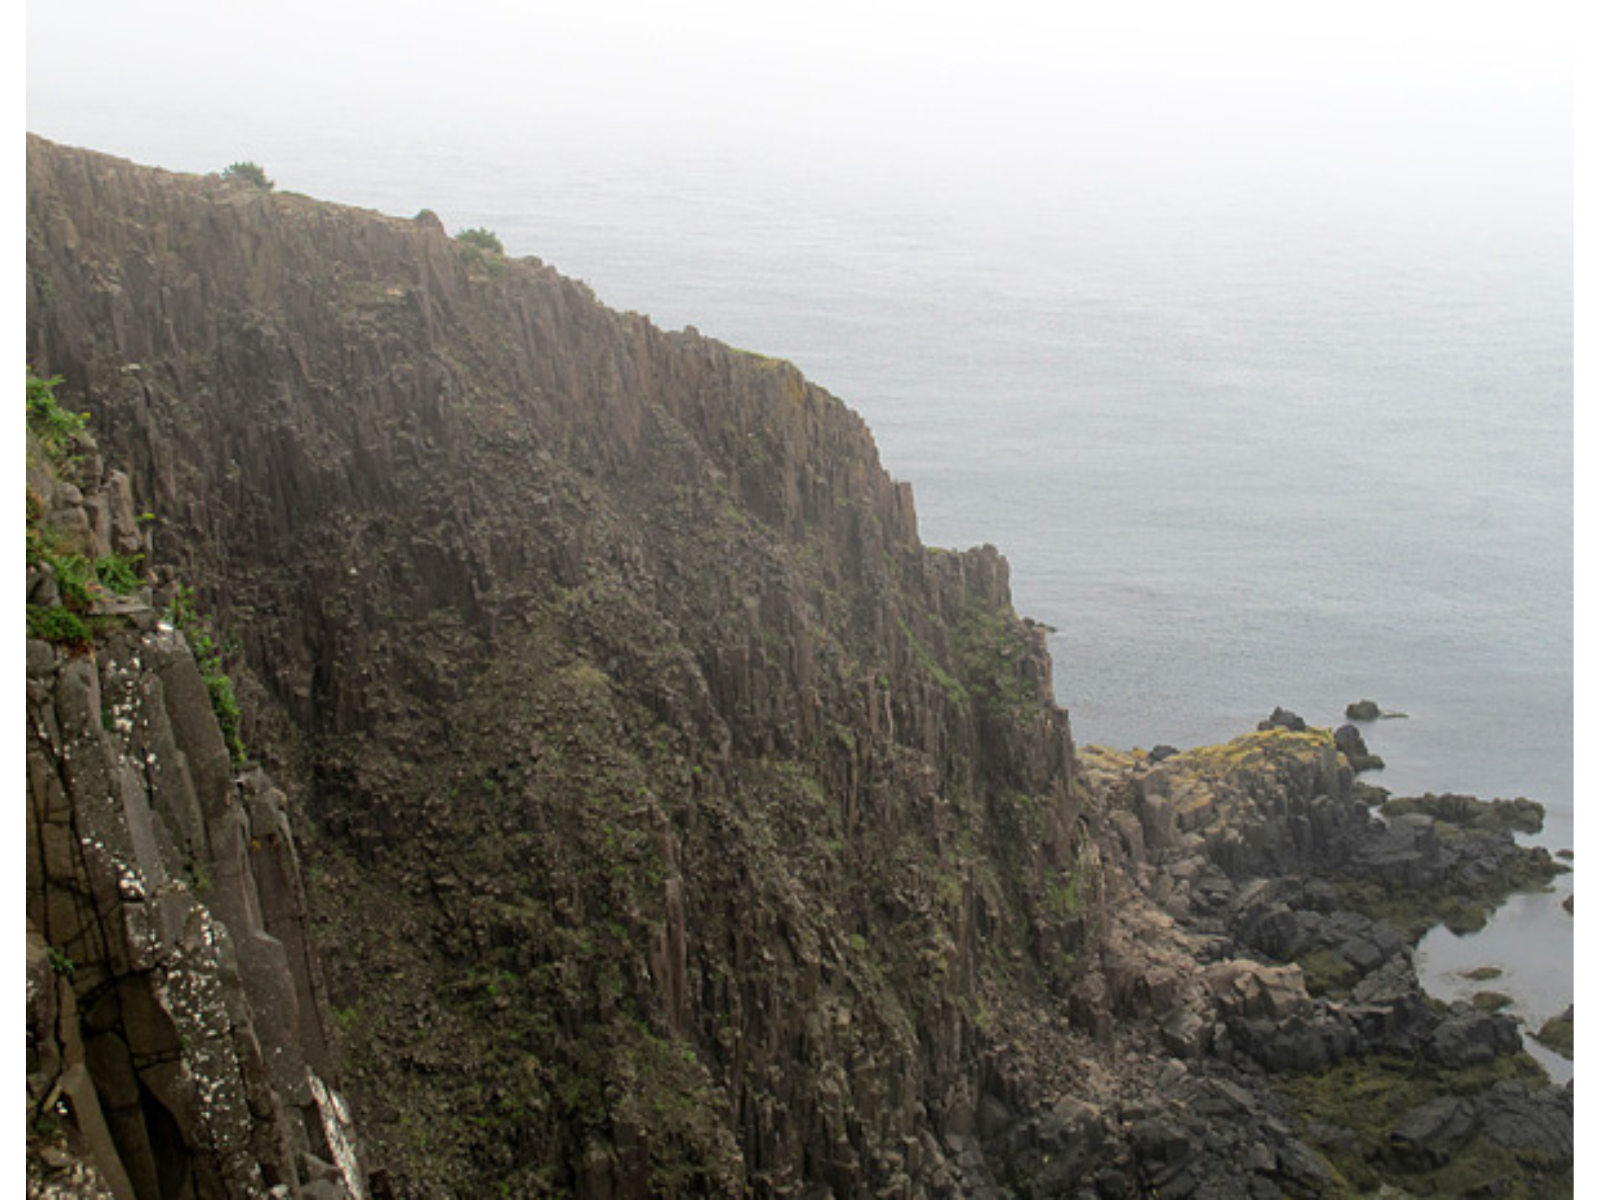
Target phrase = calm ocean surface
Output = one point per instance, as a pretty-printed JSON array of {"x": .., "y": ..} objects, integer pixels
[{"x": 1239, "y": 454}]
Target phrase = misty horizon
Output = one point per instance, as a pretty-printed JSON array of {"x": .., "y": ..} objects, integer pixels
[{"x": 1459, "y": 115}]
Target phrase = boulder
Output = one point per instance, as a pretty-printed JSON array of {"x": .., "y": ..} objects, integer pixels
[
  {"x": 1161, "y": 1143},
  {"x": 1529, "y": 1121},
  {"x": 1469, "y": 1037},
  {"x": 1071, "y": 1135},
  {"x": 1242, "y": 988},
  {"x": 1311, "y": 1041},
  {"x": 1428, "y": 1133}
]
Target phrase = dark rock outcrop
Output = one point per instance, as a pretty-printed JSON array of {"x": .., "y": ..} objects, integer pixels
[
  {"x": 176, "y": 1025},
  {"x": 1305, "y": 977},
  {"x": 1282, "y": 718},
  {"x": 1354, "y": 747},
  {"x": 1469, "y": 1036}
]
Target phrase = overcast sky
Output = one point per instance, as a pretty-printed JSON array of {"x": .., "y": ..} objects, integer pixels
[{"x": 1424, "y": 97}]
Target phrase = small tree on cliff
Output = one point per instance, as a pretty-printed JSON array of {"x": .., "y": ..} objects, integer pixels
[
  {"x": 485, "y": 240},
  {"x": 248, "y": 172},
  {"x": 482, "y": 247}
]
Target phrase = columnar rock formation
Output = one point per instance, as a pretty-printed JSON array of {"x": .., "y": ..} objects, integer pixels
[
  {"x": 176, "y": 1018},
  {"x": 607, "y": 658},
  {"x": 677, "y": 823}
]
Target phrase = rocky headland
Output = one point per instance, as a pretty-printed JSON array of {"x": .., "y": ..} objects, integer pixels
[{"x": 611, "y": 797}]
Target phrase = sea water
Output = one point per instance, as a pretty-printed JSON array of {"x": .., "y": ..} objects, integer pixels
[{"x": 1240, "y": 451}]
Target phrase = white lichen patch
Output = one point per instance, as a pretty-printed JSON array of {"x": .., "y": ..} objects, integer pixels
[
  {"x": 131, "y": 885},
  {"x": 339, "y": 1129},
  {"x": 191, "y": 988}
]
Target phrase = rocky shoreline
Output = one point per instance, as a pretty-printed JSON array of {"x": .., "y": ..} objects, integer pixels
[{"x": 1302, "y": 1017}]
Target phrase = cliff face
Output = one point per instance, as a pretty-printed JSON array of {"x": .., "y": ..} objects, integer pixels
[
  {"x": 674, "y": 822},
  {"x": 671, "y": 803},
  {"x": 177, "y": 1040}
]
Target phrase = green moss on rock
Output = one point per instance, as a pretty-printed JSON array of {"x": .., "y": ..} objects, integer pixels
[
  {"x": 1351, "y": 1113},
  {"x": 1557, "y": 1034}
]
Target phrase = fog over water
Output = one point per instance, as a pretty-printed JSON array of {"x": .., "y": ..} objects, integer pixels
[{"x": 1248, "y": 342}]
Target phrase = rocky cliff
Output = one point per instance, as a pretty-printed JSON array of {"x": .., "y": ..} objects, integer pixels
[
  {"x": 669, "y": 796},
  {"x": 676, "y": 822},
  {"x": 177, "y": 1027}
]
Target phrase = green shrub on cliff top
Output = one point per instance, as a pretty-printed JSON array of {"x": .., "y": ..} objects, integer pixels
[
  {"x": 248, "y": 172},
  {"x": 481, "y": 247},
  {"x": 481, "y": 239}
]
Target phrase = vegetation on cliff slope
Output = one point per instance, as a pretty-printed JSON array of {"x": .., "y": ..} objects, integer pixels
[
  {"x": 1353, "y": 1112},
  {"x": 63, "y": 610},
  {"x": 71, "y": 609}
]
